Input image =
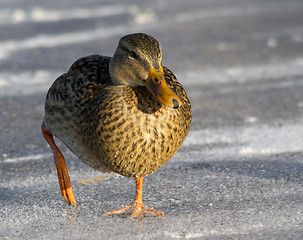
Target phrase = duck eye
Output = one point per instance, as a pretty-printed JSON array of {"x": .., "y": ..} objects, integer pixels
[{"x": 133, "y": 54}]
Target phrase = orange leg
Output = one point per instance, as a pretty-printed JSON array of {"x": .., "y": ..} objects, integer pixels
[
  {"x": 136, "y": 209},
  {"x": 64, "y": 180}
]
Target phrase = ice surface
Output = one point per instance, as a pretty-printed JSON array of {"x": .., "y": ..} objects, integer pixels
[
  {"x": 239, "y": 173},
  {"x": 249, "y": 140},
  {"x": 40, "y": 14}
]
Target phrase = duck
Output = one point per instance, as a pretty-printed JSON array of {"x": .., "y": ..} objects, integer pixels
[{"x": 126, "y": 114}]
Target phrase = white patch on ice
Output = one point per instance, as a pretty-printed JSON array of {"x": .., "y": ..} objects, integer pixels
[
  {"x": 210, "y": 13},
  {"x": 262, "y": 139},
  {"x": 236, "y": 11},
  {"x": 241, "y": 74},
  {"x": 24, "y": 83},
  {"x": 272, "y": 42},
  {"x": 251, "y": 119},
  {"x": 143, "y": 17},
  {"x": 38, "y": 14},
  {"x": 194, "y": 235},
  {"x": 176, "y": 235},
  {"x": 18, "y": 15},
  {"x": 11, "y": 46},
  {"x": 25, "y": 158}
]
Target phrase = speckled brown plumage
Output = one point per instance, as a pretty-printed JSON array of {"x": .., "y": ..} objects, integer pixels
[
  {"x": 127, "y": 114},
  {"x": 115, "y": 128}
]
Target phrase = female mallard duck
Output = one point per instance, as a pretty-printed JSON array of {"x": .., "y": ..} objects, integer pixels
[{"x": 126, "y": 114}]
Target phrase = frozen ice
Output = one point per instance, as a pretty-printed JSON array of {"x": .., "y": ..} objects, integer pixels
[{"x": 238, "y": 174}]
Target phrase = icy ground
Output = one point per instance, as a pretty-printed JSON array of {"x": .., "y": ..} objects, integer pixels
[{"x": 238, "y": 175}]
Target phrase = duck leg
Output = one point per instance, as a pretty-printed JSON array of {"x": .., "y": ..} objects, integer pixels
[
  {"x": 136, "y": 209},
  {"x": 64, "y": 180}
]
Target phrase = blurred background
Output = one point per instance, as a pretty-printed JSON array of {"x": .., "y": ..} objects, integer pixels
[{"x": 241, "y": 63}]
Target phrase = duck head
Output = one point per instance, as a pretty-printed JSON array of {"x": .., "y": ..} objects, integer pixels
[{"x": 137, "y": 61}]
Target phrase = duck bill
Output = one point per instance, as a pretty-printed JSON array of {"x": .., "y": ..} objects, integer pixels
[{"x": 158, "y": 87}]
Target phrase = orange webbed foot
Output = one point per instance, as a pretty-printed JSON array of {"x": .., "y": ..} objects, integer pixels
[{"x": 135, "y": 210}]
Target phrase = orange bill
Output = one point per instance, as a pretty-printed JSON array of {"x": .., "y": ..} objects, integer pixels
[{"x": 158, "y": 87}]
